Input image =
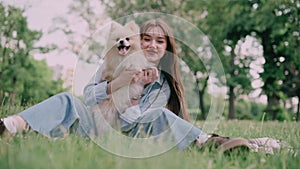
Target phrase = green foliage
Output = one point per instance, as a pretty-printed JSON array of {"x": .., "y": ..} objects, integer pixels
[
  {"x": 45, "y": 86},
  {"x": 276, "y": 24},
  {"x": 251, "y": 110},
  {"x": 283, "y": 115},
  {"x": 279, "y": 41},
  {"x": 243, "y": 110},
  {"x": 22, "y": 78},
  {"x": 257, "y": 108},
  {"x": 247, "y": 110}
]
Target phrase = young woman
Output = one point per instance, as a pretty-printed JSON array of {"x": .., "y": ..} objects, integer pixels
[
  {"x": 161, "y": 108},
  {"x": 162, "y": 105}
]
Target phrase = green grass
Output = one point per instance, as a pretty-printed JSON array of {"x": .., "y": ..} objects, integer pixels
[{"x": 32, "y": 151}]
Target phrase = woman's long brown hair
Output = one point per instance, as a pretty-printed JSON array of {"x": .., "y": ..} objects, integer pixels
[{"x": 169, "y": 66}]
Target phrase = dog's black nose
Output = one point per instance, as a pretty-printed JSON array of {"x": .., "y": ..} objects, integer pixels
[{"x": 121, "y": 41}]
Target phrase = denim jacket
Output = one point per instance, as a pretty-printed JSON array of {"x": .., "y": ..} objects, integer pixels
[{"x": 155, "y": 95}]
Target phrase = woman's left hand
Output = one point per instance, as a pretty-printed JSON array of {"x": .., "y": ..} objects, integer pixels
[{"x": 150, "y": 75}]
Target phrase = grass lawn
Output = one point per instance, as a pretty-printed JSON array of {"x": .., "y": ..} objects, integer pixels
[{"x": 33, "y": 151}]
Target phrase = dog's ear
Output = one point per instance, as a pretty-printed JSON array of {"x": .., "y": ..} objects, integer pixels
[
  {"x": 114, "y": 26},
  {"x": 133, "y": 27}
]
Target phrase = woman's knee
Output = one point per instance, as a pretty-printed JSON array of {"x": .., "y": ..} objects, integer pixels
[{"x": 66, "y": 94}]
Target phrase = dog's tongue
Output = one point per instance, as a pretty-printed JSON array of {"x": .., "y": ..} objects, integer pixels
[{"x": 122, "y": 51}]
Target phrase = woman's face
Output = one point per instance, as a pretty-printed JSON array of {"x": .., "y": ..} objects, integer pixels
[{"x": 154, "y": 44}]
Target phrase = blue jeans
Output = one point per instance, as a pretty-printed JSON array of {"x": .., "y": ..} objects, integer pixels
[{"x": 54, "y": 117}]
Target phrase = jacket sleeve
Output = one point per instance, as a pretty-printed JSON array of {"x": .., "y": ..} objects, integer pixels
[{"x": 95, "y": 91}]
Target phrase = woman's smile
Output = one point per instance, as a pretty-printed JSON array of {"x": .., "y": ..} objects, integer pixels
[{"x": 152, "y": 52}]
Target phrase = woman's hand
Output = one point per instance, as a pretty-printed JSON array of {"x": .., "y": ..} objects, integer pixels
[
  {"x": 150, "y": 75},
  {"x": 127, "y": 77}
]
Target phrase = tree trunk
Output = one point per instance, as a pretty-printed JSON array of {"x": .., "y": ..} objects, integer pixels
[
  {"x": 298, "y": 110},
  {"x": 231, "y": 111},
  {"x": 270, "y": 80},
  {"x": 201, "y": 105},
  {"x": 201, "y": 95},
  {"x": 1, "y": 97},
  {"x": 12, "y": 95},
  {"x": 201, "y": 101},
  {"x": 273, "y": 106}
]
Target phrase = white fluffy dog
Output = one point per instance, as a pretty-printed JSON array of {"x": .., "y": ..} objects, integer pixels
[{"x": 122, "y": 52}]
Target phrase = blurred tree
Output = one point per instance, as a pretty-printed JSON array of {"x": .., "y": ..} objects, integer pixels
[
  {"x": 218, "y": 24},
  {"x": 79, "y": 26},
  {"x": 23, "y": 79},
  {"x": 276, "y": 26},
  {"x": 288, "y": 50}
]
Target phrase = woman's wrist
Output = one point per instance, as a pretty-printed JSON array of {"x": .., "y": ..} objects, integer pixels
[
  {"x": 113, "y": 86},
  {"x": 108, "y": 89}
]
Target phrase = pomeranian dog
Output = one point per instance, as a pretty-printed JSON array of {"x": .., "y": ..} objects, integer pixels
[{"x": 123, "y": 51}]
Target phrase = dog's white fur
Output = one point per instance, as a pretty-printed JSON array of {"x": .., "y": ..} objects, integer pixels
[{"x": 107, "y": 111}]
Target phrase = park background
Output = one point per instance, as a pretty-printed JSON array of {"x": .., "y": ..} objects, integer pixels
[{"x": 258, "y": 42}]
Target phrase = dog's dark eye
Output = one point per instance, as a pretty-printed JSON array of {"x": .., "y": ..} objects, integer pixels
[
  {"x": 117, "y": 39},
  {"x": 127, "y": 39}
]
